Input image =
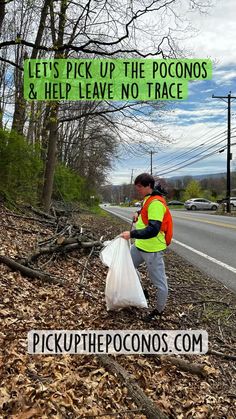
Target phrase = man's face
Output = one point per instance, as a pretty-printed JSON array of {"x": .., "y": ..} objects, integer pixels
[{"x": 143, "y": 190}]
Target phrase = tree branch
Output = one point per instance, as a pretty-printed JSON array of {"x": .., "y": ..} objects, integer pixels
[
  {"x": 30, "y": 273},
  {"x": 12, "y": 63}
]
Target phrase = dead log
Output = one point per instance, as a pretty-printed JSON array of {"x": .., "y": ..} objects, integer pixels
[
  {"x": 30, "y": 273},
  {"x": 61, "y": 248},
  {"x": 139, "y": 397},
  {"x": 183, "y": 365},
  {"x": 40, "y": 213},
  {"x": 221, "y": 354},
  {"x": 57, "y": 237},
  {"x": 91, "y": 244}
]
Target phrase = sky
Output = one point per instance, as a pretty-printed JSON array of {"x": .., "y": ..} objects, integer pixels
[{"x": 197, "y": 126}]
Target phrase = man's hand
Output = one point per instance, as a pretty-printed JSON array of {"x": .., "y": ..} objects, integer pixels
[
  {"x": 125, "y": 235},
  {"x": 135, "y": 217}
]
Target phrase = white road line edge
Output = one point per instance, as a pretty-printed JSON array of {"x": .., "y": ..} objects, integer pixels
[{"x": 204, "y": 255}]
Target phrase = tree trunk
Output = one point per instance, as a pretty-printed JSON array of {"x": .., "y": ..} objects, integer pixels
[
  {"x": 51, "y": 157},
  {"x": 20, "y": 106},
  {"x": 53, "y": 124},
  {"x": 1, "y": 116},
  {"x": 2, "y": 13}
]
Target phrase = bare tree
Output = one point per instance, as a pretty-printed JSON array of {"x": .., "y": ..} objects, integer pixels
[{"x": 65, "y": 28}]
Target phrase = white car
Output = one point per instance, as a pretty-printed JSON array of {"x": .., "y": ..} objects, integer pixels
[
  {"x": 232, "y": 202},
  {"x": 200, "y": 204}
]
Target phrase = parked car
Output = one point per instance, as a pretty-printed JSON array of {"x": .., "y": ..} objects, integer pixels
[
  {"x": 175, "y": 203},
  {"x": 200, "y": 204},
  {"x": 232, "y": 202}
]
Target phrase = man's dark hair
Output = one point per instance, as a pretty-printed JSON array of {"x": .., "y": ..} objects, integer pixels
[{"x": 145, "y": 180}]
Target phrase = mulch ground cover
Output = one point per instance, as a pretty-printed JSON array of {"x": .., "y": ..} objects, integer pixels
[{"x": 79, "y": 386}]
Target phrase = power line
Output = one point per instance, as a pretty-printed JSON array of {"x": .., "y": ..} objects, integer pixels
[
  {"x": 193, "y": 149},
  {"x": 195, "y": 161},
  {"x": 195, "y": 140},
  {"x": 193, "y": 157}
]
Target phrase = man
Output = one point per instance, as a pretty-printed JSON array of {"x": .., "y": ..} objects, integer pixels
[{"x": 150, "y": 240}]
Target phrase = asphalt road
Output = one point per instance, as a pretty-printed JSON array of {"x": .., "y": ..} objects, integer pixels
[{"x": 205, "y": 239}]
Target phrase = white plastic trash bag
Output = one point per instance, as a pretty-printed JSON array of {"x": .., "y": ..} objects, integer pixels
[
  {"x": 123, "y": 288},
  {"x": 107, "y": 252}
]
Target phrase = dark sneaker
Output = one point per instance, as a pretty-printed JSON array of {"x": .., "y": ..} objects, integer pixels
[
  {"x": 153, "y": 315},
  {"x": 146, "y": 293}
]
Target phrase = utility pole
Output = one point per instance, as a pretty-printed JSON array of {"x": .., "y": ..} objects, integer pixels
[
  {"x": 130, "y": 189},
  {"x": 229, "y": 155},
  {"x": 131, "y": 179}
]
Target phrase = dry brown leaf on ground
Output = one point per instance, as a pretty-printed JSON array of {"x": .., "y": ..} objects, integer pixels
[
  {"x": 28, "y": 414},
  {"x": 76, "y": 385}
]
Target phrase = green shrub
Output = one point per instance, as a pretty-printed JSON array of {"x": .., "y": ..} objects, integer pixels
[
  {"x": 67, "y": 185},
  {"x": 20, "y": 167},
  {"x": 71, "y": 187},
  {"x": 193, "y": 190},
  {"x": 21, "y": 174}
]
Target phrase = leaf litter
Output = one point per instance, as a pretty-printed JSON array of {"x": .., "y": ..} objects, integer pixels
[{"x": 76, "y": 386}]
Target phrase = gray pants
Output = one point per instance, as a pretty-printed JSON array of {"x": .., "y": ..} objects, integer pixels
[{"x": 156, "y": 271}]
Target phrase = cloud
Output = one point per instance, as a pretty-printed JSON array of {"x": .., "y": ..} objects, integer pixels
[
  {"x": 197, "y": 112},
  {"x": 224, "y": 76},
  {"x": 195, "y": 121},
  {"x": 207, "y": 90},
  {"x": 217, "y": 30}
]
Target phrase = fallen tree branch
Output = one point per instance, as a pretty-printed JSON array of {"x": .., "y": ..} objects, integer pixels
[
  {"x": 61, "y": 248},
  {"x": 226, "y": 356},
  {"x": 139, "y": 397},
  {"x": 184, "y": 365},
  {"x": 30, "y": 273},
  {"x": 24, "y": 217},
  {"x": 85, "y": 266},
  {"x": 89, "y": 270},
  {"x": 41, "y": 213},
  {"x": 55, "y": 237}
]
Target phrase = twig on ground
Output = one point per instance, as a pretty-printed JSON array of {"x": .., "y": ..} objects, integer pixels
[
  {"x": 21, "y": 230},
  {"x": 85, "y": 266},
  {"x": 54, "y": 237},
  {"x": 204, "y": 302},
  {"x": 121, "y": 412},
  {"x": 24, "y": 217},
  {"x": 220, "y": 330},
  {"x": 226, "y": 356}
]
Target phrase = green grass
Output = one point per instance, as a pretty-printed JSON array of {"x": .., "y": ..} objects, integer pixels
[{"x": 97, "y": 210}]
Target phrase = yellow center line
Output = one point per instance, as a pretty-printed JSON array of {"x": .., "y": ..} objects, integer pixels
[{"x": 205, "y": 221}]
